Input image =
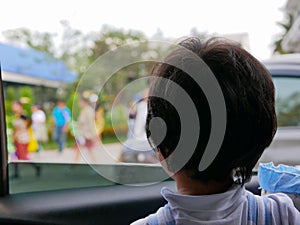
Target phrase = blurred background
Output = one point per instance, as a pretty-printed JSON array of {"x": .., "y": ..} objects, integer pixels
[{"x": 46, "y": 47}]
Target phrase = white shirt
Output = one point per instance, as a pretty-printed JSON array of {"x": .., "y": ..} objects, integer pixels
[
  {"x": 140, "y": 121},
  {"x": 229, "y": 208},
  {"x": 86, "y": 123},
  {"x": 38, "y": 117}
]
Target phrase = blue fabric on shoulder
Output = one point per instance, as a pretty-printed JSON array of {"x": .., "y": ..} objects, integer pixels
[
  {"x": 281, "y": 178},
  {"x": 153, "y": 220},
  {"x": 252, "y": 209},
  {"x": 164, "y": 213}
]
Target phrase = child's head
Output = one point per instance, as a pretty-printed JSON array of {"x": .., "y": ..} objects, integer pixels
[
  {"x": 35, "y": 108},
  {"x": 61, "y": 103},
  {"x": 83, "y": 102},
  {"x": 249, "y": 98},
  {"x": 17, "y": 106}
]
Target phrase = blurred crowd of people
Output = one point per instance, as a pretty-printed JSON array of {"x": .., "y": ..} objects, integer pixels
[
  {"x": 137, "y": 148},
  {"x": 30, "y": 131}
]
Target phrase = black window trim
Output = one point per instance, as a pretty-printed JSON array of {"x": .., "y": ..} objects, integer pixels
[{"x": 3, "y": 144}]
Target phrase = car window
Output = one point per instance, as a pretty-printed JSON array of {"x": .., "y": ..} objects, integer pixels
[
  {"x": 75, "y": 83},
  {"x": 287, "y": 100},
  {"x": 286, "y": 139},
  {"x": 54, "y": 176},
  {"x": 57, "y": 124}
]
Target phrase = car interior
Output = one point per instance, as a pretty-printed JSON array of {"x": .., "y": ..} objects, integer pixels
[
  {"x": 115, "y": 192},
  {"x": 69, "y": 202}
]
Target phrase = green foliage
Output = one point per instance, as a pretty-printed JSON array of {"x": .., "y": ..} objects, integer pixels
[
  {"x": 286, "y": 26},
  {"x": 10, "y": 96},
  {"x": 72, "y": 104},
  {"x": 118, "y": 116},
  {"x": 79, "y": 51},
  {"x": 23, "y": 94},
  {"x": 288, "y": 110},
  {"x": 10, "y": 146},
  {"x": 41, "y": 41},
  {"x": 112, "y": 38},
  {"x": 106, "y": 40},
  {"x": 75, "y": 48},
  {"x": 27, "y": 98}
]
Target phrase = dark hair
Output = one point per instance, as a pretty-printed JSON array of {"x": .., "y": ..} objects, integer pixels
[
  {"x": 60, "y": 101},
  {"x": 249, "y": 98},
  {"x": 18, "y": 103},
  {"x": 39, "y": 106},
  {"x": 84, "y": 99}
]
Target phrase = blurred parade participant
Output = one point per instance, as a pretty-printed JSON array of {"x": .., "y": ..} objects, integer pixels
[
  {"x": 132, "y": 113},
  {"x": 99, "y": 115},
  {"x": 136, "y": 147},
  {"x": 86, "y": 134},
  {"x": 20, "y": 134},
  {"x": 61, "y": 117},
  {"x": 38, "y": 125}
]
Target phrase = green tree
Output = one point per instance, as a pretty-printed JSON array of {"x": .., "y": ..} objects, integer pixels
[
  {"x": 286, "y": 26},
  {"x": 41, "y": 41},
  {"x": 75, "y": 46},
  {"x": 80, "y": 50},
  {"x": 106, "y": 40},
  {"x": 10, "y": 96},
  {"x": 27, "y": 98},
  {"x": 288, "y": 110}
]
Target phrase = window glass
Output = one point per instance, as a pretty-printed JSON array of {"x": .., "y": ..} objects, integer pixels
[
  {"x": 75, "y": 82},
  {"x": 285, "y": 145},
  {"x": 287, "y": 101},
  {"x": 34, "y": 177}
]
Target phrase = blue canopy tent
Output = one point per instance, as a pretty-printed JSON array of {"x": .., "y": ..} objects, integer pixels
[{"x": 29, "y": 66}]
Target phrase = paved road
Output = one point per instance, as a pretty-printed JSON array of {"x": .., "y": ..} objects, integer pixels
[{"x": 108, "y": 153}]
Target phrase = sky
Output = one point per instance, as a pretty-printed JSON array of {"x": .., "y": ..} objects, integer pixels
[{"x": 174, "y": 19}]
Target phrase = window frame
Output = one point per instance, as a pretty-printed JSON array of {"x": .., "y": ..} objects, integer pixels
[
  {"x": 4, "y": 189},
  {"x": 4, "y": 176}
]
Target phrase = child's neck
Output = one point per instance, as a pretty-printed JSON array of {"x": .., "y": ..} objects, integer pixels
[{"x": 189, "y": 186}]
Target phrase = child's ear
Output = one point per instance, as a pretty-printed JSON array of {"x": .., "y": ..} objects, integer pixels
[
  {"x": 162, "y": 154},
  {"x": 165, "y": 153},
  {"x": 159, "y": 154}
]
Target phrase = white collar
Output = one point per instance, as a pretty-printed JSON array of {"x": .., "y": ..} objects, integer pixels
[{"x": 206, "y": 203}]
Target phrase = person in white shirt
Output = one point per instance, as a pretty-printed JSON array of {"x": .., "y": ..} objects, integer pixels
[
  {"x": 136, "y": 147},
  {"x": 215, "y": 194},
  {"x": 86, "y": 136},
  {"x": 38, "y": 125}
]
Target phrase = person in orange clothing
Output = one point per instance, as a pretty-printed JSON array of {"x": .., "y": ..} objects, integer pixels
[{"x": 99, "y": 115}]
